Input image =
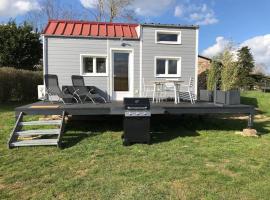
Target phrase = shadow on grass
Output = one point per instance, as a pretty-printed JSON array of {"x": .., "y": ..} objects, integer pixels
[
  {"x": 168, "y": 127},
  {"x": 83, "y": 128},
  {"x": 252, "y": 101},
  {"x": 249, "y": 101},
  {"x": 163, "y": 128}
]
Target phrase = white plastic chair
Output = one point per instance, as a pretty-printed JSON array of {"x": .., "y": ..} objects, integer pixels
[
  {"x": 189, "y": 89},
  {"x": 169, "y": 89}
]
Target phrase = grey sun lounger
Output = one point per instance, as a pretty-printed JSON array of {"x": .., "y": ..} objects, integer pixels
[
  {"x": 82, "y": 91},
  {"x": 53, "y": 89}
]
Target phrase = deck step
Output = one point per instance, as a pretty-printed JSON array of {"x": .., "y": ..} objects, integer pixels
[
  {"x": 38, "y": 132},
  {"x": 36, "y": 142},
  {"x": 34, "y": 123}
]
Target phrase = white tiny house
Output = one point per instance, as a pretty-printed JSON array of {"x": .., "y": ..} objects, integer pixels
[{"x": 118, "y": 58}]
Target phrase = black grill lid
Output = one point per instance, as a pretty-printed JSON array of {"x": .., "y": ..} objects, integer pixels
[{"x": 137, "y": 103}]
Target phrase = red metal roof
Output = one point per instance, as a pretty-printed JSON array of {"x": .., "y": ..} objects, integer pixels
[{"x": 91, "y": 29}]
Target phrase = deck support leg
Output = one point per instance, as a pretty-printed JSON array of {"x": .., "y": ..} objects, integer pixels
[{"x": 250, "y": 120}]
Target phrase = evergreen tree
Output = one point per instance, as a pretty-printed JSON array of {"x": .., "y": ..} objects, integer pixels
[
  {"x": 20, "y": 47},
  {"x": 246, "y": 65}
]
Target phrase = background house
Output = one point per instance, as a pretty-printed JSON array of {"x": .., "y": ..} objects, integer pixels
[{"x": 203, "y": 63}]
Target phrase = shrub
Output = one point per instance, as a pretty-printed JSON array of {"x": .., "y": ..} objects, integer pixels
[
  {"x": 213, "y": 75},
  {"x": 229, "y": 72},
  {"x": 19, "y": 85},
  {"x": 20, "y": 46}
]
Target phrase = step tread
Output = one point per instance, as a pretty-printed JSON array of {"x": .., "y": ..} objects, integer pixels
[
  {"x": 36, "y": 142},
  {"x": 39, "y": 132},
  {"x": 49, "y": 122}
]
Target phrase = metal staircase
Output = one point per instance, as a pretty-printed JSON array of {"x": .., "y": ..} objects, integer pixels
[{"x": 20, "y": 137}]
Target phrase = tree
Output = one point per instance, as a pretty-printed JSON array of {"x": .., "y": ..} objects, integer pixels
[
  {"x": 20, "y": 47},
  {"x": 52, "y": 9},
  {"x": 245, "y": 64},
  {"x": 229, "y": 72},
  {"x": 112, "y": 10}
]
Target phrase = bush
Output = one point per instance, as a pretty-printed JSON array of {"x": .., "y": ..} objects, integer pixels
[
  {"x": 229, "y": 72},
  {"x": 213, "y": 75},
  {"x": 19, "y": 85},
  {"x": 20, "y": 46}
]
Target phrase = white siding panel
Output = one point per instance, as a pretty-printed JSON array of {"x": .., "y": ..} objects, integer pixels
[
  {"x": 64, "y": 59},
  {"x": 185, "y": 50}
]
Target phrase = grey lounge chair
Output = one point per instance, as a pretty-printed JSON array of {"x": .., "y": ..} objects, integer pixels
[
  {"x": 82, "y": 91},
  {"x": 53, "y": 89}
]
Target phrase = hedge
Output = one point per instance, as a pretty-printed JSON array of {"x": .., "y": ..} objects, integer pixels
[{"x": 18, "y": 84}]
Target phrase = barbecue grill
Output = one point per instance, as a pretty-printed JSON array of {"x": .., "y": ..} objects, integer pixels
[{"x": 136, "y": 121}]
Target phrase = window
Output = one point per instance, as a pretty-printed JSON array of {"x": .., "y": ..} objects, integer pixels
[
  {"x": 168, "y": 37},
  {"x": 92, "y": 65},
  {"x": 88, "y": 65},
  {"x": 168, "y": 67}
]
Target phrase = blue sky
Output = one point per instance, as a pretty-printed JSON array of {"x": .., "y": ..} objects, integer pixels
[{"x": 245, "y": 22}]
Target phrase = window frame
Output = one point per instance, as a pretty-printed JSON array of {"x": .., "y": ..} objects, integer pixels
[
  {"x": 94, "y": 56},
  {"x": 167, "y": 75},
  {"x": 179, "y": 36}
]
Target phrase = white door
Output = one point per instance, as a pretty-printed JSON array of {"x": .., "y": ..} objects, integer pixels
[{"x": 121, "y": 74}]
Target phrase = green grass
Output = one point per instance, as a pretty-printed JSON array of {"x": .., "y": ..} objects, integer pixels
[
  {"x": 190, "y": 158},
  {"x": 258, "y": 99}
]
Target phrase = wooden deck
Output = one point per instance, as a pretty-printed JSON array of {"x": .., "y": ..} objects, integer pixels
[
  {"x": 111, "y": 109},
  {"x": 117, "y": 108}
]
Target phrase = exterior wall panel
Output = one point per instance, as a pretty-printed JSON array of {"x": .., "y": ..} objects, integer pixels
[
  {"x": 63, "y": 59},
  {"x": 186, "y": 50}
]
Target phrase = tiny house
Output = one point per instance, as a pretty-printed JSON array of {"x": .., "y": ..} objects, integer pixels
[{"x": 119, "y": 58}]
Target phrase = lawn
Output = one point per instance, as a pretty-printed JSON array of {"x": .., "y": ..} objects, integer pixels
[
  {"x": 258, "y": 99},
  {"x": 189, "y": 159}
]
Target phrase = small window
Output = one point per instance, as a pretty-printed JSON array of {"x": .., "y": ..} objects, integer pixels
[
  {"x": 168, "y": 67},
  {"x": 88, "y": 65},
  {"x": 93, "y": 65},
  {"x": 172, "y": 67},
  {"x": 101, "y": 65},
  {"x": 161, "y": 66},
  {"x": 168, "y": 37}
]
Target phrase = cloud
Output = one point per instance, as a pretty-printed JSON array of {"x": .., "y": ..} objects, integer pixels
[
  {"x": 178, "y": 11},
  {"x": 220, "y": 45},
  {"x": 199, "y": 14},
  {"x": 89, "y": 3},
  {"x": 12, "y": 8},
  {"x": 145, "y": 8},
  {"x": 150, "y": 8},
  {"x": 259, "y": 46}
]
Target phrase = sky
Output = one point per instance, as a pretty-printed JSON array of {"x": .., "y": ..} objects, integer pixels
[{"x": 243, "y": 22}]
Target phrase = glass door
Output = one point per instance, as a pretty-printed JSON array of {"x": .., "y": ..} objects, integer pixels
[{"x": 121, "y": 71}]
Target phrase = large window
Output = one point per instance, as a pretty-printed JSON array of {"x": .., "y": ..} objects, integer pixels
[
  {"x": 168, "y": 67},
  {"x": 93, "y": 65},
  {"x": 168, "y": 37}
]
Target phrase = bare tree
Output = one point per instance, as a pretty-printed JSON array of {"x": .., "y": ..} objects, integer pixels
[
  {"x": 51, "y": 9},
  {"x": 104, "y": 10},
  {"x": 111, "y": 10}
]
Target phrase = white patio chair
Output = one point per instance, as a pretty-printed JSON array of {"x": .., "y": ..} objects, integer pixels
[
  {"x": 188, "y": 89},
  {"x": 169, "y": 89}
]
